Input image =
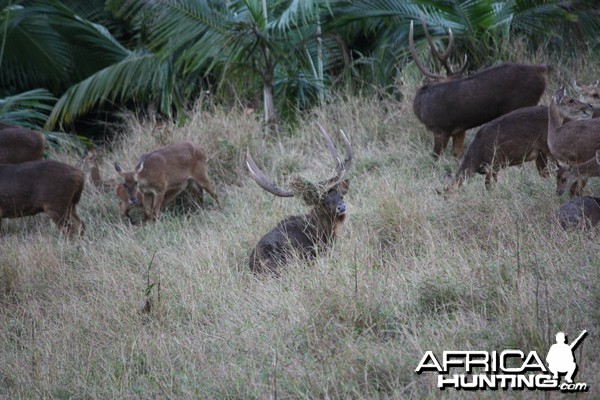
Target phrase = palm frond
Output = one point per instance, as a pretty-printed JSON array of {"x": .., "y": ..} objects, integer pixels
[{"x": 141, "y": 76}]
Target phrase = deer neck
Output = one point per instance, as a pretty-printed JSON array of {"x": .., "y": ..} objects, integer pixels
[
  {"x": 326, "y": 225},
  {"x": 555, "y": 119}
]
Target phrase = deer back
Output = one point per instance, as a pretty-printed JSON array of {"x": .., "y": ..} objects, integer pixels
[
  {"x": 171, "y": 166},
  {"x": 35, "y": 186},
  {"x": 466, "y": 103},
  {"x": 19, "y": 144}
]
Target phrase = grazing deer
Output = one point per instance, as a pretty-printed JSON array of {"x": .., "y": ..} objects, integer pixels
[
  {"x": 164, "y": 173},
  {"x": 47, "y": 186},
  {"x": 19, "y": 144},
  {"x": 450, "y": 105},
  {"x": 572, "y": 138},
  {"x": 590, "y": 94},
  {"x": 579, "y": 213},
  {"x": 511, "y": 139},
  {"x": 568, "y": 177},
  {"x": 303, "y": 235}
]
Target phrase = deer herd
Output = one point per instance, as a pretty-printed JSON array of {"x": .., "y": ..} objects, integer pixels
[{"x": 501, "y": 100}]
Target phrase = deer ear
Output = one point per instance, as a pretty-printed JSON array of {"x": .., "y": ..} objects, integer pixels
[
  {"x": 118, "y": 168},
  {"x": 139, "y": 167},
  {"x": 344, "y": 186}
]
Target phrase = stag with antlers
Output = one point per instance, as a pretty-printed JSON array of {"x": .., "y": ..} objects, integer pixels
[
  {"x": 449, "y": 105},
  {"x": 303, "y": 236}
]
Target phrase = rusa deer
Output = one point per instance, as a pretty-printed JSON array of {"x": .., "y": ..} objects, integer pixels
[
  {"x": 572, "y": 139},
  {"x": 18, "y": 145},
  {"x": 306, "y": 235},
  {"x": 164, "y": 173},
  {"x": 512, "y": 139},
  {"x": 449, "y": 105},
  {"x": 47, "y": 186},
  {"x": 567, "y": 177},
  {"x": 579, "y": 213}
]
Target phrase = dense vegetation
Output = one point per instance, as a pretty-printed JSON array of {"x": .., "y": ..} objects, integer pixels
[{"x": 92, "y": 58}]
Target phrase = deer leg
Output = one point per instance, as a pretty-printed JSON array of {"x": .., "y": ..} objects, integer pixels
[
  {"x": 203, "y": 182},
  {"x": 197, "y": 192},
  {"x": 541, "y": 163},
  {"x": 62, "y": 219},
  {"x": 491, "y": 177},
  {"x": 80, "y": 224},
  {"x": 458, "y": 142},
  {"x": 156, "y": 205},
  {"x": 148, "y": 200},
  {"x": 440, "y": 142}
]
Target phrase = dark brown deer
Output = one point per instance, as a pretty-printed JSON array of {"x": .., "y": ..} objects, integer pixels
[
  {"x": 572, "y": 139},
  {"x": 47, "y": 186},
  {"x": 568, "y": 177},
  {"x": 449, "y": 105},
  {"x": 162, "y": 174},
  {"x": 579, "y": 213},
  {"x": 303, "y": 236},
  {"x": 512, "y": 139},
  {"x": 19, "y": 144}
]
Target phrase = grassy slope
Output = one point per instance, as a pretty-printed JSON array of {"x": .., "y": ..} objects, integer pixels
[{"x": 412, "y": 272}]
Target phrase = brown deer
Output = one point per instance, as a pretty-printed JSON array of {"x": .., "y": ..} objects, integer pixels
[
  {"x": 19, "y": 144},
  {"x": 512, "y": 139},
  {"x": 568, "y": 177},
  {"x": 579, "y": 213},
  {"x": 306, "y": 235},
  {"x": 47, "y": 186},
  {"x": 590, "y": 94},
  {"x": 449, "y": 105},
  {"x": 164, "y": 173},
  {"x": 572, "y": 139}
]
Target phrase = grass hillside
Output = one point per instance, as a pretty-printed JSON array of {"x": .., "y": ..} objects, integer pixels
[{"x": 411, "y": 272}]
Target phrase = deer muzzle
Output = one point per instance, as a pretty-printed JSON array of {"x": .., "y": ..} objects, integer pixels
[{"x": 341, "y": 209}]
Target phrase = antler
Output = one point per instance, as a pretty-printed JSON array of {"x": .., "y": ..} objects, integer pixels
[
  {"x": 262, "y": 179},
  {"x": 341, "y": 168},
  {"x": 443, "y": 58},
  {"x": 411, "y": 45}
]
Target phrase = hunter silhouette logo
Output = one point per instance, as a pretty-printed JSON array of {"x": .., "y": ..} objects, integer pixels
[
  {"x": 508, "y": 369},
  {"x": 560, "y": 357}
]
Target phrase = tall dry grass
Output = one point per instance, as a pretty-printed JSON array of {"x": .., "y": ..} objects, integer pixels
[{"x": 412, "y": 272}]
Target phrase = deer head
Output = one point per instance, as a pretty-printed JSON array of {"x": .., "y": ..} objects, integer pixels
[
  {"x": 325, "y": 195},
  {"x": 130, "y": 181}
]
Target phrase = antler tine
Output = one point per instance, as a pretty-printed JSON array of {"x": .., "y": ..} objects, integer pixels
[
  {"x": 348, "y": 147},
  {"x": 443, "y": 58},
  {"x": 413, "y": 52},
  {"x": 331, "y": 147},
  {"x": 462, "y": 67},
  {"x": 262, "y": 179},
  {"x": 446, "y": 53}
]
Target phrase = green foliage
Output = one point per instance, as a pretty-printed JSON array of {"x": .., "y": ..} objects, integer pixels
[{"x": 135, "y": 53}]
